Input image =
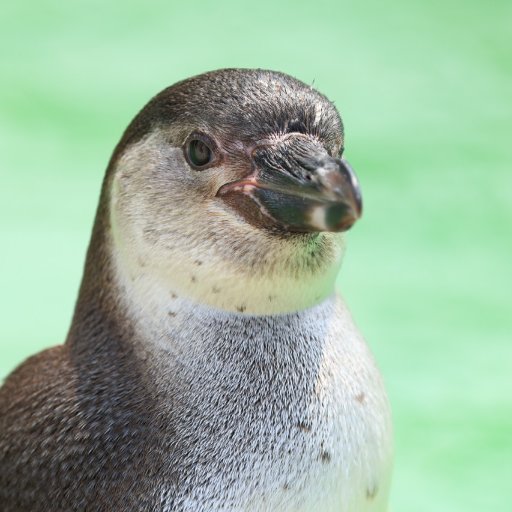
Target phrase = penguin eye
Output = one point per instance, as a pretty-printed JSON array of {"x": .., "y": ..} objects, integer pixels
[{"x": 197, "y": 152}]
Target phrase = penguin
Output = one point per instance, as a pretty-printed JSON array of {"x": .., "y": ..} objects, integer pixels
[{"x": 210, "y": 364}]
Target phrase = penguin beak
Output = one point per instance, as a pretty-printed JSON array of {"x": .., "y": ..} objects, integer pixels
[{"x": 297, "y": 186}]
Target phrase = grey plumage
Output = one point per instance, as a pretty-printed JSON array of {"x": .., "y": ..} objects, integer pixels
[{"x": 197, "y": 373}]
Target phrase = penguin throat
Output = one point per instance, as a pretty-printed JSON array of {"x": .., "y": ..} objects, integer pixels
[{"x": 240, "y": 294}]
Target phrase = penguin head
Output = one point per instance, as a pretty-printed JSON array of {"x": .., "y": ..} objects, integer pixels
[{"x": 229, "y": 188}]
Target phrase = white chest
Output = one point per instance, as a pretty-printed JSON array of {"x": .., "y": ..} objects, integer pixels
[{"x": 285, "y": 414}]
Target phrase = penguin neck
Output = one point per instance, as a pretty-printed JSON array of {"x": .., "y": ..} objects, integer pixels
[
  {"x": 215, "y": 284},
  {"x": 169, "y": 321},
  {"x": 119, "y": 318},
  {"x": 206, "y": 277},
  {"x": 116, "y": 293},
  {"x": 152, "y": 300}
]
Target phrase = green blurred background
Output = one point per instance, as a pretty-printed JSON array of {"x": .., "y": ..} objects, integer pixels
[{"x": 425, "y": 90}]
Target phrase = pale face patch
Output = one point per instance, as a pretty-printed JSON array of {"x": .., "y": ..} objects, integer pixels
[{"x": 165, "y": 217}]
